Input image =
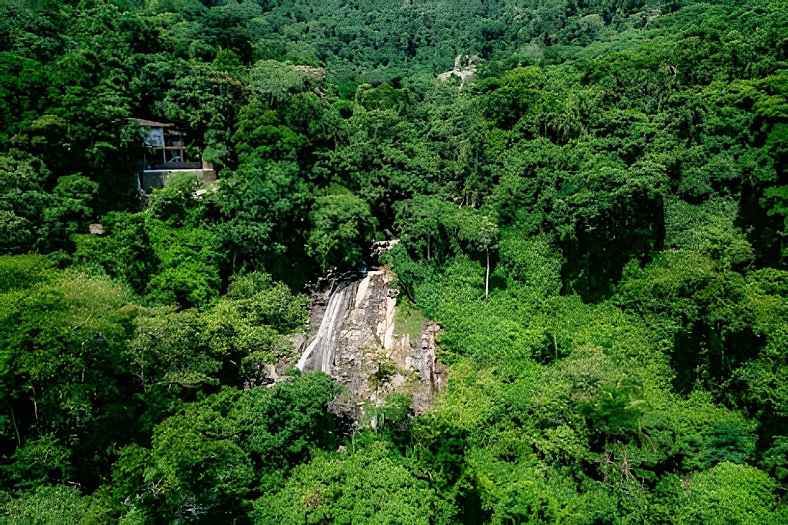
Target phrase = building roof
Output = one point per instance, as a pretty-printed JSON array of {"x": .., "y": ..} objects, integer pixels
[{"x": 153, "y": 123}]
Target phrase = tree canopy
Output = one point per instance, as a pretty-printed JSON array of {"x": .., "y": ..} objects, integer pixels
[{"x": 589, "y": 198}]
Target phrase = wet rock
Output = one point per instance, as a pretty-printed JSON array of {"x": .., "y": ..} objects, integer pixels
[{"x": 356, "y": 341}]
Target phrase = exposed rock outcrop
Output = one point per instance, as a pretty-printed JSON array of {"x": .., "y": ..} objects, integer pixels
[
  {"x": 464, "y": 69},
  {"x": 357, "y": 341}
]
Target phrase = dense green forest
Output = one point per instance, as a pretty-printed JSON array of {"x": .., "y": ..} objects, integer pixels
[{"x": 617, "y": 166}]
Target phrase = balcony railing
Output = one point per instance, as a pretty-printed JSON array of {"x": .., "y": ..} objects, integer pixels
[{"x": 176, "y": 166}]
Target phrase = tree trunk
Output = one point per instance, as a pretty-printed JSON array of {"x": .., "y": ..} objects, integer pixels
[
  {"x": 13, "y": 420},
  {"x": 487, "y": 277}
]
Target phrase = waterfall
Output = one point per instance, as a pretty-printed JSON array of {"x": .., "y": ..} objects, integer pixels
[
  {"x": 319, "y": 355},
  {"x": 357, "y": 343}
]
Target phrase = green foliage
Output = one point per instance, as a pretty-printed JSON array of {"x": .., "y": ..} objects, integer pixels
[
  {"x": 56, "y": 505},
  {"x": 175, "y": 203},
  {"x": 263, "y": 205},
  {"x": 124, "y": 251},
  {"x": 283, "y": 423},
  {"x": 261, "y": 300},
  {"x": 776, "y": 198},
  {"x": 20, "y": 272},
  {"x": 167, "y": 350},
  {"x": 61, "y": 370},
  {"x": 24, "y": 201},
  {"x": 728, "y": 493},
  {"x": 187, "y": 272},
  {"x": 207, "y": 459},
  {"x": 603, "y": 220},
  {"x": 366, "y": 486},
  {"x": 38, "y": 461},
  {"x": 74, "y": 345},
  {"x": 71, "y": 211},
  {"x": 709, "y": 229},
  {"x": 422, "y": 223},
  {"x": 342, "y": 225},
  {"x": 775, "y": 460},
  {"x": 608, "y": 170},
  {"x": 197, "y": 462},
  {"x": 718, "y": 323},
  {"x": 532, "y": 262}
]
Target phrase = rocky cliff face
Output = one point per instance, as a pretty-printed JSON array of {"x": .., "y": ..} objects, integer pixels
[
  {"x": 357, "y": 341},
  {"x": 464, "y": 69}
]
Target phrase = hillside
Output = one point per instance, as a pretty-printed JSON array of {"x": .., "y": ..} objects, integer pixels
[{"x": 595, "y": 216}]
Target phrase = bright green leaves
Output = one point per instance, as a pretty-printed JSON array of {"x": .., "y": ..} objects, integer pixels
[
  {"x": 64, "y": 338},
  {"x": 519, "y": 492},
  {"x": 432, "y": 229},
  {"x": 71, "y": 210},
  {"x": 233, "y": 340},
  {"x": 422, "y": 223},
  {"x": 167, "y": 350},
  {"x": 261, "y": 135},
  {"x": 775, "y": 200},
  {"x": 23, "y": 202},
  {"x": 728, "y": 493},
  {"x": 474, "y": 229},
  {"x": 261, "y": 301},
  {"x": 166, "y": 253},
  {"x": 709, "y": 229},
  {"x": 282, "y": 424},
  {"x": 532, "y": 262},
  {"x": 188, "y": 272},
  {"x": 686, "y": 294},
  {"x": 612, "y": 402},
  {"x": 124, "y": 251},
  {"x": 245, "y": 327},
  {"x": 595, "y": 135},
  {"x": 82, "y": 370},
  {"x": 342, "y": 226},
  {"x": 21, "y": 272},
  {"x": 211, "y": 456},
  {"x": 56, "y": 505},
  {"x": 198, "y": 463},
  {"x": 273, "y": 82},
  {"x": 364, "y": 486},
  {"x": 177, "y": 204},
  {"x": 263, "y": 207}
]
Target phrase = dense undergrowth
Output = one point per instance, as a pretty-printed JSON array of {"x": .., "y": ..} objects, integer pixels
[{"x": 617, "y": 167}]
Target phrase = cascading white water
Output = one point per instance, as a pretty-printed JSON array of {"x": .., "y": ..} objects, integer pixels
[
  {"x": 357, "y": 343},
  {"x": 321, "y": 349}
]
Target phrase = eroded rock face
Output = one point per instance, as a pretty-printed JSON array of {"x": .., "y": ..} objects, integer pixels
[
  {"x": 464, "y": 69},
  {"x": 357, "y": 341}
]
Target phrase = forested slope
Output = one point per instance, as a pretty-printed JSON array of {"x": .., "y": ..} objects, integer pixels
[{"x": 597, "y": 220}]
